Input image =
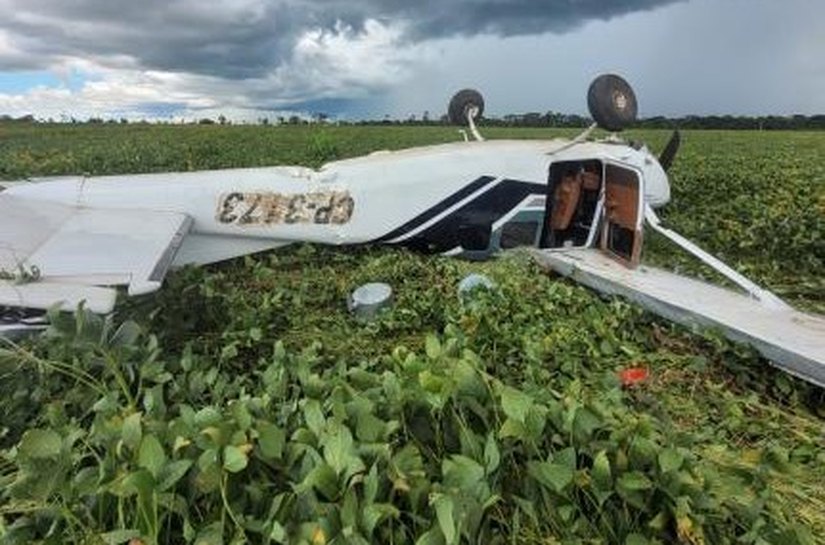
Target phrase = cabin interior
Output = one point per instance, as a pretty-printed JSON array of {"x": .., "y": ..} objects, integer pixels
[{"x": 573, "y": 213}]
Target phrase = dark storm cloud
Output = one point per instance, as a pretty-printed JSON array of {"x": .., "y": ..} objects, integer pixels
[
  {"x": 433, "y": 18},
  {"x": 247, "y": 38}
]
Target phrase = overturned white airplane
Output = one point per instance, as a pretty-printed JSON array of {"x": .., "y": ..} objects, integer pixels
[{"x": 581, "y": 204}]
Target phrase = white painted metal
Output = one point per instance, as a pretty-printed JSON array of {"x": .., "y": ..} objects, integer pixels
[
  {"x": 387, "y": 188},
  {"x": 45, "y": 295},
  {"x": 471, "y": 122},
  {"x": 793, "y": 340},
  {"x": 197, "y": 249},
  {"x": 71, "y": 244},
  {"x": 118, "y": 246},
  {"x": 16, "y": 331},
  {"x": 24, "y": 226},
  {"x": 369, "y": 299},
  {"x": 584, "y": 135}
]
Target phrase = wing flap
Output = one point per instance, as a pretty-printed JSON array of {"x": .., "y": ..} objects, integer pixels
[
  {"x": 75, "y": 245},
  {"x": 25, "y": 225},
  {"x": 112, "y": 247}
]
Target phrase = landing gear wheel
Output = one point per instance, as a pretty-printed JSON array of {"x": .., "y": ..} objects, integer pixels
[
  {"x": 461, "y": 103},
  {"x": 612, "y": 102}
]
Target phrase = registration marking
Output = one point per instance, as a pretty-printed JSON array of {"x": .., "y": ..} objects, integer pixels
[{"x": 270, "y": 208}]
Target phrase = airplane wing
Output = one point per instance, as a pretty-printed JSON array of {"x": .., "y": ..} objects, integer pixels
[
  {"x": 77, "y": 249},
  {"x": 792, "y": 340}
]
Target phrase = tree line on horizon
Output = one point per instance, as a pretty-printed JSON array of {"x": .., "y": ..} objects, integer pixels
[{"x": 531, "y": 119}]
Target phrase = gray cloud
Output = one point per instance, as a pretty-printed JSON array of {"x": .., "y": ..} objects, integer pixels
[
  {"x": 371, "y": 57},
  {"x": 739, "y": 57},
  {"x": 249, "y": 38}
]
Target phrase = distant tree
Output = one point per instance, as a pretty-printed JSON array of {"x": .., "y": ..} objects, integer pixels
[
  {"x": 206, "y": 121},
  {"x": 694, "y": 122},
  {"x": 532, "y": 119}
]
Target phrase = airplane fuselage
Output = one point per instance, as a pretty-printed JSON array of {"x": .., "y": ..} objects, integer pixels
[{"x": 454, "y": 198}]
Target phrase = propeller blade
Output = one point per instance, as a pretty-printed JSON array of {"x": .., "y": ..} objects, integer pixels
[{"x": 669, "y": 153}]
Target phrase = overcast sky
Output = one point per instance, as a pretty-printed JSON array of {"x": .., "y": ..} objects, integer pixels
[{"x": 367, "y": 58}]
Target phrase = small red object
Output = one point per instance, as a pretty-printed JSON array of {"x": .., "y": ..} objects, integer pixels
[{"x": 633, "y": 375}]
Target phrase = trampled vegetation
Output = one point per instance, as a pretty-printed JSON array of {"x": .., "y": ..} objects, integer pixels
[{"x": 243, "y": 404}]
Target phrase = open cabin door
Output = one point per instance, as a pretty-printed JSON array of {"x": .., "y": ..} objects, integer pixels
[
  {"x": 621, "y": 234},
  {"x": 573, "y": 206},
  {"x": 791, "y": 340}
]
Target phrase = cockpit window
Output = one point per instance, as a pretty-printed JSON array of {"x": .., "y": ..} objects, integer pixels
[{"x": 518, "y": 233}]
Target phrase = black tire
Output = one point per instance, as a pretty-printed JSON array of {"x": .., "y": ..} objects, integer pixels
[
  {"x": 612, "y": 102},
  {"x": 463, "y": 101}
]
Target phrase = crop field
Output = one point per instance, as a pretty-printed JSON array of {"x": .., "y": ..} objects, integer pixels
[{"x": 243, "y": 404}]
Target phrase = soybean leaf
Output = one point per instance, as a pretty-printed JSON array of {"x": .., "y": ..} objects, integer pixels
[
  {"x": 553, "y": 476},
  {"x": 670, "y": 459},
  {"x": 131, "y": 432},
  {"x": 314, "y": 417},
  {"x": 338, "y": 448},
  {"x": 634, "y": 480},
  {"x": 444, "y": 513},
  {"x": 462, "y": 472},
  {"x": 172, "y": 473},
  {"x": 116, "y": 537},
  {"x": 323, "y": 479},
  {"x": 39, "y": 444},
  {"x": 277, "y": 533},
  {"x": 492, "y": 456},
  {"x": 432, "y": 346},
  {"x": 433, "y": 536},
  {"x": 151, "y": 456},
  {"x": 601, "y": 471},
  {"x": 636, "y": 539},
  {"x": 515, "y": 403},
  {"x": 376, "y": 513},
  {"x": 234, "y": 459},
  {"x": 271, "y": 440}
]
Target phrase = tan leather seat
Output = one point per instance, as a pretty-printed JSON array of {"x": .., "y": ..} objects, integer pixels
[
  {"x": 590, "y": 181},
  {"x": 565, "y": 201}
]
